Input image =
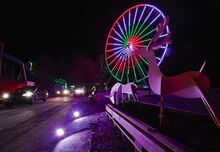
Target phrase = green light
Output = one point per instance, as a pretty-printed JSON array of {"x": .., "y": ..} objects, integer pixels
[
  {"x": 132, "y": 62},
  {"x": 148, "y": 34},
  {"x": 123, "y": 71},
  {"x": 60, "y": 81}
]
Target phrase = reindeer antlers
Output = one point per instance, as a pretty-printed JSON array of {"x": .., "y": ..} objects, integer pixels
[
  {"x": 160, "y": 28},
  {"x": 152, "y": 44}
]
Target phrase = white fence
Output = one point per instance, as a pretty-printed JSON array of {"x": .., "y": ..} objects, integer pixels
[{"x": 141, "y": 135}]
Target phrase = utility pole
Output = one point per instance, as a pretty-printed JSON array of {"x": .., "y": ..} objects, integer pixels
[{"x": 2, "y": 47}]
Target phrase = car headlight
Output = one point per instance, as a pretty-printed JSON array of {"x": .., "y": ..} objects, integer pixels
[
  {"x": 28, "y": 94},
  {"x": 80, "y": 91},
  {"x": 66, "y": 91},
  {"x": 5, "y": 96},
  {"x": 58, "y": 92}
]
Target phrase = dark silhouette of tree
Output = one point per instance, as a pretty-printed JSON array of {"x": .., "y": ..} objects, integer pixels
[
  {"x": 45, "y": 70},
  {"x": 103, "y": 66},
  {"x": 85, "y": 71}
]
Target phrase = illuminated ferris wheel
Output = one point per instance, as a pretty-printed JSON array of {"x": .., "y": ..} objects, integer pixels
[{"x": 132, "y": 30}]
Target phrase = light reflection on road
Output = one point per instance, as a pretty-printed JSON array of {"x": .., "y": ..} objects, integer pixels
[
  {"x": 60, "y": 99},
  {"x": 76, "y": 142}
]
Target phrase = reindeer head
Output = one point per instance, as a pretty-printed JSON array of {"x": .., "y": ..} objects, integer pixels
[{"x": 153, "y": 44}]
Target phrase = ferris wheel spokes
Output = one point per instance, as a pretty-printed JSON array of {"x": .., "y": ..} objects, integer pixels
[{"x": 133, "y": 30}]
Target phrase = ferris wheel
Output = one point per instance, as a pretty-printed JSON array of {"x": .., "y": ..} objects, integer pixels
[{"x": 132, "y": 30}]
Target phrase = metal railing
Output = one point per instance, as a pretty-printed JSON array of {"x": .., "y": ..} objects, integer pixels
[{"x": 141, "y": 135}]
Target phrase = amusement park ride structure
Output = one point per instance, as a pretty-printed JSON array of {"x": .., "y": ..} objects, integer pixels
[
  {"x": 8, "y": 85},
  {"x": 132, "y": 30}
]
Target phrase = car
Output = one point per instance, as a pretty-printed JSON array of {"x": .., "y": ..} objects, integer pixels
[
  {"x": 29, "y": 94},
  {"x": 79, "y": 91},
  {"x": 63, "y": 92}
]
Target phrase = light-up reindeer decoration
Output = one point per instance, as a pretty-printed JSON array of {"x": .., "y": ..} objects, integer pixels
[
  {"x": 191, "y": 84},
  {"x": 118, "y": 90}
]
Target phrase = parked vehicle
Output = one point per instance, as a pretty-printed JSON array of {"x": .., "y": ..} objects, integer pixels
[{"x": 29, "y": 94}]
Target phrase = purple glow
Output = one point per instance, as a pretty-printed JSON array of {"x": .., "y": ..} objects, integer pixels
[{"x": 60, "y": 132}]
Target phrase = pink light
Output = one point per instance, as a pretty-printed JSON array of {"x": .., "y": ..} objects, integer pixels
[
  {"x": 120, "y": 66},
  {"x": 123, "y": 71},
  {"x": 128, "y": 65},
  {"x": 117, "y": 63}
]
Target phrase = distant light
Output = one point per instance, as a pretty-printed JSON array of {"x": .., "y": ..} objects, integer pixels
[
  {"x": 58, "y": 92},
  {"x": 72, "y": 86},
  {"x": 76, "y": 114},
  {"x": 5, "y": 96},
  {"x": 80, "y": 91},
  {"x": 60, "y": 132},
  {"x": 66, "y": 91}
]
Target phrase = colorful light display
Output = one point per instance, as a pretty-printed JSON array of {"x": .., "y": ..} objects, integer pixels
[
  {"x": 131, "y": 31},
  {"x": 60, "y": 81}
]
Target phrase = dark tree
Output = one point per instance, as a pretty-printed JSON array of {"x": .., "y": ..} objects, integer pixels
[
  {"x": 45, "y": 70},
  {"x": 85, "y": 71}
]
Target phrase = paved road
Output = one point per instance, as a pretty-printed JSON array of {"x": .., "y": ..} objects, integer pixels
[{"x": 31, "y": 128}]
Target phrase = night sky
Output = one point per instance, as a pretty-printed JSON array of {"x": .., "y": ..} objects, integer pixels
[{"x": 64, "y": 30}]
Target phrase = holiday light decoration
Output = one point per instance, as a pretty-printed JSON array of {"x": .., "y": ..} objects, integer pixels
[{"x": 131, "y": 31}]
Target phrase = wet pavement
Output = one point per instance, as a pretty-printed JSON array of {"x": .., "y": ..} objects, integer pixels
[
  {"x": 32, "y": 128},
  {"x": 26, "y": 128}
]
